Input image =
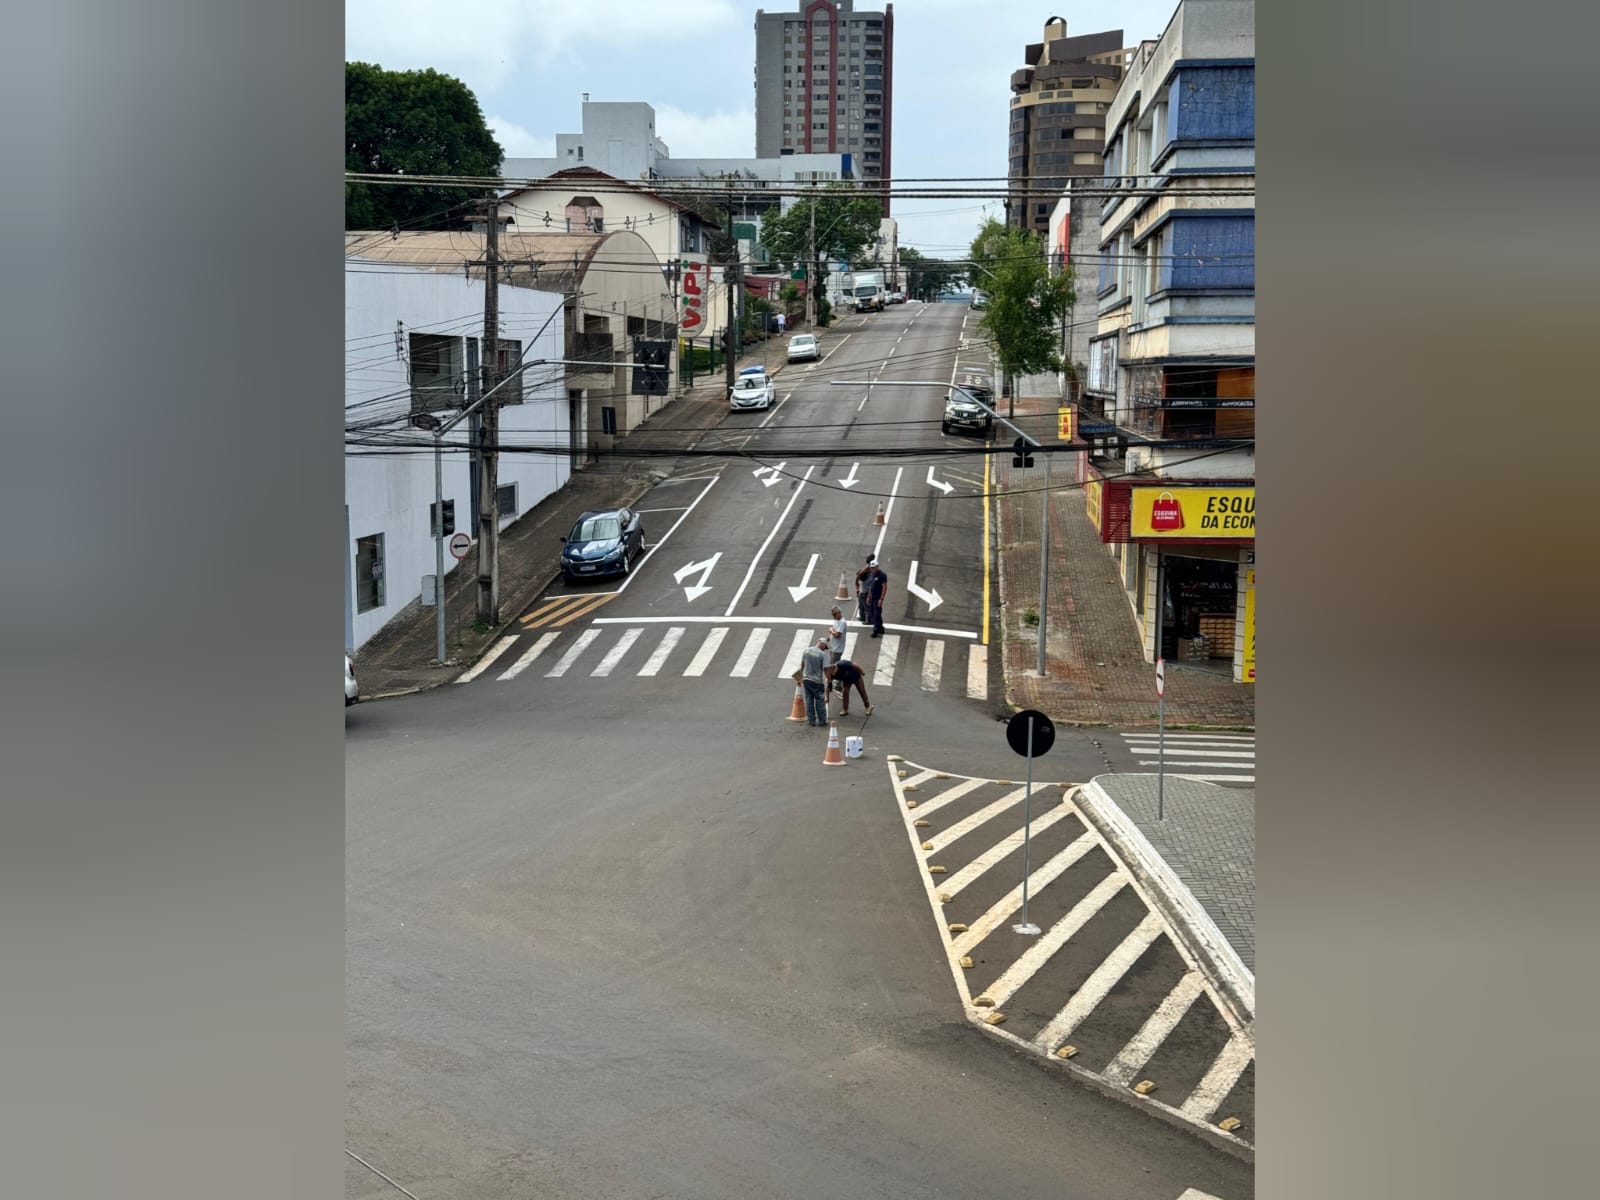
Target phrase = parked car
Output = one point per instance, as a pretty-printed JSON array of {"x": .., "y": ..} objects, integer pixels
[
  {"x": 604, "y": 542},
  {"x": 963, "y": 411},
  {"x": 753, "y": 389},
  {"x": 803, "y": 346},
  {"x": 352, "y": 691},
  {"x": 755, "y": 370}
]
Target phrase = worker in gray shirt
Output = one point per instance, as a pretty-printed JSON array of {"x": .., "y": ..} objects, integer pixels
[{"x": 812, "y": 665}]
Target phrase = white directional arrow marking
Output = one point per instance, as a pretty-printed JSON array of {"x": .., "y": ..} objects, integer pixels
[
  {"x": 774, "y": 477},
  {"x": 804, "y": 590},
  {"x": 939, "y": 483},
  {"x": 850, "y": 480},
  {"x": 695, "y": 591},
  {"x": 931, "y": 599}
]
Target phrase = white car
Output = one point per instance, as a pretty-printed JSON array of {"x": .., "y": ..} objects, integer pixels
[
  {"x": 803, "y": 346},
  {"x": 352, "y": 692},
  {"x": 753, "y": 390}
]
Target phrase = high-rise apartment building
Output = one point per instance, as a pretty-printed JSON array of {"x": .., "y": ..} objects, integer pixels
[
  {"x": 825, "y": 84},
  {"x": 1058, "y": 117}
]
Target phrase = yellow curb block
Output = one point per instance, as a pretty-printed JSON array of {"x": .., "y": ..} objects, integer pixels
[
  {"x": 911, "y": 803},
  {"x": 1229, "y": 1124},
  {"x": 994, "y": 1018},
  {"x": 1066, "y": 1052},
  {"x": 966, "y": 963},
  {"x": 957, "y": 927},
  {"x": 936, "y": 870},
  {"x": 984, "y": 1002},
  {"x": 927, "y": 845},
  {"x": 920, "y": 824},
  {"x": 1144, "y": 1087}
]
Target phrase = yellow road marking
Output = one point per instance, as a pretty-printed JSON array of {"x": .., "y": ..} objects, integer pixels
[
  {"x": 546, "y": 610},
  {"x": 582, "y": 609}
]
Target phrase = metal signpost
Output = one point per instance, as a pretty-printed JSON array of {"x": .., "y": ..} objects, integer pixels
[
  {"x": 1029, "y": 733},
  {"x": 1161, "y": 738}
]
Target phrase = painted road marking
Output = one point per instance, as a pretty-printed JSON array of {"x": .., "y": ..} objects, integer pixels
[
  {"x": 791, "y": 663},
  {"x": 1100, "y": 982},
  {"x": 1193, "y": 753},
  {"x": 777, "y": 525},
  {"x": 563, "y": 608},
  {"x": 582, "y": 609},
  {"x": 952, "y": 793},
  {"x": 977, "y": 672},
  {"x": 850, "y": 645},
  {"x": 573, "y": 651},
  {"x": 752, "y": 648},
  {"x": 1007, "y": 906},
  {"x": 1144, "y": 1044},
  {"x": 982, "y": 817},
  {"x": 658, "y": 656},
  {"x": 708, "y": 649},
  {"x": 1219, "y": 1080},
  {"x": 614, "y": 655},
  {"x": 883, "y": 676},
  {"x": 928, "y": 629},
  {"x": 894, "y": 488},
  {"x": 482, "y": 664},
  {"x": 932, "y": 664},
  {"x": 526, "y": 660},
  {"x": 693, "y": 504}
]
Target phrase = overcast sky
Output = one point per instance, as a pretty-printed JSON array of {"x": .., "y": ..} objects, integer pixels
[{"x": 530, "y": 61}]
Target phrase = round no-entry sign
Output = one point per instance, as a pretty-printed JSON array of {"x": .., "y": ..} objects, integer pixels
[
  {"x": 460, "y": 543},
  {"x": 1161, "y": 676},
  {"x": 1044, "y": 732}
]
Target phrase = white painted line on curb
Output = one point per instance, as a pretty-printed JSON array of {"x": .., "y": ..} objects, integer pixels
[
  {"x": 752, "y": 649},
  {"x": 1143, "y": 1045},
  {"x": 483, "y": 663},
  {"x": 1219, "y": 1080},
  {"x": 658, "y": 657},
  {"x": 708, "y": 650},
  {"x": 526, "y": 660},
  {"x": 614, "y": 655},
  {"x": 573, "y": 651},
  {"x": 1100, "y": 982}
]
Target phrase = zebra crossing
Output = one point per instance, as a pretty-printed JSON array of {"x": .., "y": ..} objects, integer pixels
[
  {"x": 1212, "y": 757},
  {"x": 1098, "y": 985},
  {"x": 617, "y": 647}
]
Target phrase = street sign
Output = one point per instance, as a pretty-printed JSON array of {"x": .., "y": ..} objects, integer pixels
[
  {"x": 1044, "y": 733},
  {"x": 1064, "y": 424},
  {"x": 460, "y": 543},
  {"x": 1161, "y": 677}
]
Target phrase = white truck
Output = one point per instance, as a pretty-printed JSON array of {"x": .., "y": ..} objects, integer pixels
[{"x": 868, "y": 289}]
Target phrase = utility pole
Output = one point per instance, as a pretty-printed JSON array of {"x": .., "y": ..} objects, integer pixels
[
  {"x": 489, "y": 426},
  {"x": 811, "y": 269},
  {"x": 730, "y": 275}
]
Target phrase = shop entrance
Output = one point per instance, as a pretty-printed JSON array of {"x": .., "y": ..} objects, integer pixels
[{"x": 1200, "y": 590}]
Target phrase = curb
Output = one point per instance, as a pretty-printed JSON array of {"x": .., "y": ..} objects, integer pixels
[{"x": 1216, "y": 959}]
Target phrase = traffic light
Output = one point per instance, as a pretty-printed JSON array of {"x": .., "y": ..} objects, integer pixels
[
  {"x": 449, "y": 518},
  {"x": 1021, "y": 453},
  {"x": 651, "y": 377}
]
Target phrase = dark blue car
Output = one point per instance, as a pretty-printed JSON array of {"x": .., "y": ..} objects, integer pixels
[{"x": 602, "y": 543}]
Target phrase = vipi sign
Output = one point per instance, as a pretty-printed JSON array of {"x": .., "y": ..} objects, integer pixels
[{"x": 696, "y": 282}]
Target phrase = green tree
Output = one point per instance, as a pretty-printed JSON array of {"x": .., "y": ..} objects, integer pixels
[
  {"x": 1026, "y": 302},
  {"x": 927, "y": 278},
  {"x": 846, "y": 224},
  {"x": 411, "y": 123}
]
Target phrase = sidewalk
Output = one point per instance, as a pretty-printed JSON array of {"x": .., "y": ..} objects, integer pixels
[
  {"x": 400, "y": 657},
  {"x": 1096, "y": 673}
]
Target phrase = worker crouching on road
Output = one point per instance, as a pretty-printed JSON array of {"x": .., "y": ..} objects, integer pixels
[{"x": 842, "y": 675}]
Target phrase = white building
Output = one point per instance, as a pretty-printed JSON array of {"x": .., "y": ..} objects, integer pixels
[{"x": 411, "y": 344}]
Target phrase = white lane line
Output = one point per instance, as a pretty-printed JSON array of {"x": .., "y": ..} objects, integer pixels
[
  {"x": 711, "y": 483},
  {"x": 928, "y": 629},
  {"x": 1196, "y": 747},
  {"x": 829, "y": 354},
  {"x": 932, "y": 664},
  {"x": 1144, "y": 1044},
  {"x": 877, "y": 550},
  {"x": 1000, "y": 850},
  {"x": 483, "y": 663},
  {"x": 949, "y": 794},
  {"x": 791, "y": 661},
  {"x": 747, "y": 657},
  {"x": 658, "y": 656},
  {"x": 977, "y": 672},
  {"x": 526, "y": 660},
  {"x": 1203, "y": 737},
  {"x": 850, "y": 645},
  {"x": 614, "y": 655},
  {"x": 1008, "y": 905},
  {"x": 1217, "y": 778},
  {"x": 1191, "y": 752},
  {"x": 1219, "y": 1080},
  {"x": 1212, "y": 763},
  {"x": 1099, "y": 984},
  {"x": 678, "y": 508},
  {"x": 983, "y": 816},
  {"x": 571, "y": 656},
  {"x": 708, "y": 649},
  {"x": 888, "y": 648},
  {"x": 776, "y": 410},
  {"x": 777, "y": 525},
  {"x": 1197, "y": 1194}
]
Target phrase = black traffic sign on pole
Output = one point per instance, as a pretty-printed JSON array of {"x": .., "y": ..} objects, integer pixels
[{"x": 1030, "y": 733}]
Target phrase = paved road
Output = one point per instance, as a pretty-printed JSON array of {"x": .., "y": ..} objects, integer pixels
[{"x": 621, "y": 934}]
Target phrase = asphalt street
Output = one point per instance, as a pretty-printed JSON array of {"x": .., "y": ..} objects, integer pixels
[{"x": 614, "y": 930}]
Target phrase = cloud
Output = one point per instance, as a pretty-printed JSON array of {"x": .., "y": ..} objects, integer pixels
[
  {"x": 517, "y": 142},
  {"x": 487, "y": 44},
  {"x": 720, "y": 135}
]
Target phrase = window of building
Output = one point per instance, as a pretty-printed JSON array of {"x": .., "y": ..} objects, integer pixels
[
  {"x": 369, "y": 572},
  {"x": 505, "y": 500},
  {"x": 510, "y": 385},
  {"x": 437, "y": 377}
]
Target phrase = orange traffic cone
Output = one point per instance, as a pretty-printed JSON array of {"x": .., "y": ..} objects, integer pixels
[
  {"x": 843, "y": 593},
  {"x": 878, "y": 520},
  {"x": 798, "y": 711},
  {"x": 834, "y": 757}
]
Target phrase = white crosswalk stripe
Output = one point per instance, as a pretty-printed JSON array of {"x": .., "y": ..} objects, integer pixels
[
  {"x": 617, "y": 649},
  {"x": 1213, "y": 757}
]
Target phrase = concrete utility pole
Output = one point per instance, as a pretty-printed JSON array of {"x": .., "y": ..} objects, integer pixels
[
  {"x": 811, "y": 270},
  {"x": 489, "y": 424},
  {"x": 730, "y": 276}
]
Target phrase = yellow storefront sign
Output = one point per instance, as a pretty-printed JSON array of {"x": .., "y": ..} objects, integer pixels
[
  {"x": 1247, "y": 657},
  {"x": 1091, "y": 502},
  {"x": 1064, "y": 424},
  {"x": 1194, "y": 512}
]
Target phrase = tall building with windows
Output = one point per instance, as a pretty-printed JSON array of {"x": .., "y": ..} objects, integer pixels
[
  {"x": 1058, "y": 117},
  {"x": 825, "y": 84}
]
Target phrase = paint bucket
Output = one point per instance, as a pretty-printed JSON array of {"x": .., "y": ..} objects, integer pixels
[{"x": 852, "y": 747}]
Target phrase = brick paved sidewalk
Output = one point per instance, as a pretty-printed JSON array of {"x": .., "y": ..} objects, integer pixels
[
  {"x": 400, "y": 657},
  {"x": 1096, "y": 673}
]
